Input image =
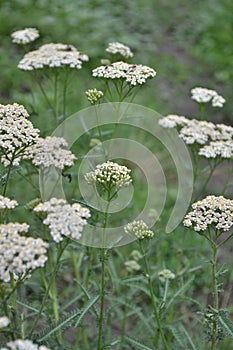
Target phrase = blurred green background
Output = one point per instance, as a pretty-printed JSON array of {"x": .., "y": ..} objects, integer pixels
[{"x": 188, "y": 44}]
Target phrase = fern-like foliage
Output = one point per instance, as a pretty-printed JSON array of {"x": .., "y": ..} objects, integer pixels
[
  {"x": 182, "y": 339},
  {"x": 64, "y": 323},
  {"x": 225, "y": 322}
]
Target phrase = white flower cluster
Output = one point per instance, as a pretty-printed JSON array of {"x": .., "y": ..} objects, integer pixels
[
  {"x": 216, "y": 139},
  {"x": 173, "y": 120},
  {"x": 52, "y": 56},
  {"x": 19, "y": 254},
  {"x": 212, "y": 210},
  {"x": 110, "y": 174},
  {"x": 139, "y": 229},
  {"x": 116, "y": 47},
  {"x": 203, "y": 95},
  {"x": 223, "y": 149},
  {"x": 16, "y": 132},
  {"x": 133, "y": 265},
  {"x": 132, "y": 73},
  {"x": 196, "y": 131},
  {"x": 166, "y": 275},
  {"x": 20, "y": 344},
  {"x": 7, "y": 203},
  {"x": 93, "y": 95},
  {"x": 25, "y": 36},
  {"x": 4, "y": 321},
  {"x": 64, "y": 219},
  {"x": 225, "y": 132},
  {"x": 50, "y": 151}
]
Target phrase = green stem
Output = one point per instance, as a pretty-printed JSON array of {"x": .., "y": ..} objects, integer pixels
[
  {"x": 8, "y": 175},
  {"x": 55, "y": 98},
  {"x": 103, "y": 284},
  {"x": 102, "y": 300},
  {"x": 44, "y": 93},
  {"x": 215, "y": 293},
  {"x": 53, "y": 294},
  {"x": 202, "y": 111},
  {"x": 65, "y": 84},
  {"x": 225, "y": 240},
  {"x": 208, "y": 177},
  {"x": 156, "y": 312},
  {"x": 123, "y": 328},
  {"x": 54, "y": 272}
]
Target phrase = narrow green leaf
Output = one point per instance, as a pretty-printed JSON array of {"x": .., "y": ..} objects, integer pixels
[
  {"x": 190, "y": 342},
  {"x": 179, "y": 292},
  {"x": 86, "y": 309},
  {"x": 136, "y": 342}
]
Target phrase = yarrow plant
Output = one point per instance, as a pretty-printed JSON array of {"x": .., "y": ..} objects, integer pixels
[
  {"x": 4, "y": 321},
  {"x": 53, "y": 56},
  {"x": 203, "y": 95},
  {"x": 205, "y": 139},
  {"x": 211, "y": 218},
  {"x": 94, "y": 95},
  {"x": 20, "y": 344},
  {"x": 64, "y": 279},
  {"x": 16, "y": 134},
  {"x": 140, "y": 229},
  {"x": 7, "y": 203},
  {"x": 118, "y": 48},
  {"x": 25, "y": 36},
  {"x": 18, "y": 254},
  {"x": 64, "y": 219},
  {"x": 133, "y": 74},
  {"x": 50, "y": 151},
  {"x": 109, "y": 175}
]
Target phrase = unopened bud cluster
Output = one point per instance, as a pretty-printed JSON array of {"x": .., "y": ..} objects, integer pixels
[
  {"x": 110, "y": 174},
  {"x": 139, "y": 229},
  {"x": 94, "y": 95}
]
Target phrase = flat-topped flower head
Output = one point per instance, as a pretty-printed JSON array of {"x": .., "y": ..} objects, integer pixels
[
  {"x": 133, "y": 74},
  {"x": 218, "y": 101},
  {"x": 211, "y": 211},
  {"x": 18, "y": 254},
  {"x": 64, "y": 219},
  {"x": 20, "y": 344},
  {"x": 132, "y": 266},
  {"x": 196, "y": 131},
  {"x": 4, "y": 321},
  {"x": 94, "y": 95},
  {"x": 215, "y": 149},
  {"x": 16, "y": 133},
  {"x": 203, "y": 95},
  {"x": 7, "y": 203},
  {"x": 166, "y": 274},
  {"x": 53, "y": 56},
  {"x": 217, "y": 139},
  {"x": 139, "y": 229},
  {"x": 50, "y": 151},
  {"x": 225, "y": 132},
  {"x": 110, "y": 174},
  {"x": 25, "y": 36},
  {"x": 118, "y": 48},
  {"x": 172, "y": 121}
]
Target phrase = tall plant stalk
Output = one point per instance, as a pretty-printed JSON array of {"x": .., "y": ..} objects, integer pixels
[{"x": 153, "y": 301}]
